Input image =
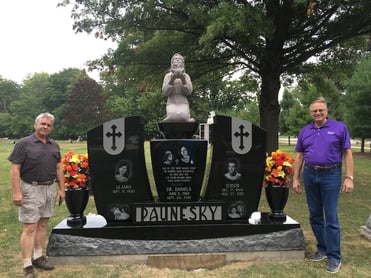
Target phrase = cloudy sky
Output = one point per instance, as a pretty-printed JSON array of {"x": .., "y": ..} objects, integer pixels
[{"x": 36, "y": 36}]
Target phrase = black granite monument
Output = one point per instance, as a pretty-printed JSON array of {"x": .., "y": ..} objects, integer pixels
[
  {"x": 191, "y": 203},
  {"x": 205, "y": 196}
]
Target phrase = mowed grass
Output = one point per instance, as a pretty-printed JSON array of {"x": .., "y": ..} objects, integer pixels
[{"x": 354, "y": 209}]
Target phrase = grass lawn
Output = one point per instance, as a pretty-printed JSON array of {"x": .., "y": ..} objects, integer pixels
[{"x": 354, "y": 209}]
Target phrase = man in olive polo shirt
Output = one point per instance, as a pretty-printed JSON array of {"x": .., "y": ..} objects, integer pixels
[{"x": 35, "y": 170}]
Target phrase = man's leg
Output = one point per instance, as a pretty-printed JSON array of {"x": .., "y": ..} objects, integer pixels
[
  {"x": 41, "y": 231},
  {"x": 315, "y": 206},
  {"x": 27, "y": 241},
  {"x": 39, "y": 260},
  {"x": 330, "y": 194}
]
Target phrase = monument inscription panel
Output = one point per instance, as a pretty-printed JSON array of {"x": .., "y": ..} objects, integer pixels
[{"x": 178, "y": 168}]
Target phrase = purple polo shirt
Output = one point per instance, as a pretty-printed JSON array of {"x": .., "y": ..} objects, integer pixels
[{"x": 324, "y": 145}]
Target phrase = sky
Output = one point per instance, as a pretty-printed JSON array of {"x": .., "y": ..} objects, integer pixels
[{"x": 36, "y": 37}]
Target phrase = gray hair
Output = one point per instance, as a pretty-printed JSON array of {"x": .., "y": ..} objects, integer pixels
[
  {"x": 44, "y": 115},
  {"x": 319, "y": 100}
]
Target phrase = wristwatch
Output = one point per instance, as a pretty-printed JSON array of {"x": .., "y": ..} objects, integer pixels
[{"x": 349, "y": 177}]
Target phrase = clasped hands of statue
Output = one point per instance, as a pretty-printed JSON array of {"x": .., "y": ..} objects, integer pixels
[{"x": 177, "y": 73}]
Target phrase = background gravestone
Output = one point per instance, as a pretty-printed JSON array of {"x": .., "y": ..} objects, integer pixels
[
  {"x": 118, "y": 170},
  {"x": 237, "y": 166}
]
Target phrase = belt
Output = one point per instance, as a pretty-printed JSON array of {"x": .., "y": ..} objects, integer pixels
[
  {"x": 323, "y": 167},
  {"x": 41, "y": 182}
]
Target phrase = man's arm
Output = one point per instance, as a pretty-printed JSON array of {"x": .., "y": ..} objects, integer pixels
[
  {"x": 15, "y": 178},
  {"x": 60, "y": 179},
  {"x": 348, "y": 185},
  {"x": 298, "y": 164}
]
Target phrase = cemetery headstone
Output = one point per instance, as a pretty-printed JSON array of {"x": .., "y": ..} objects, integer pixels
[
  {"x": 237, "y": 166},
  {"x": 118, "y": 171}
]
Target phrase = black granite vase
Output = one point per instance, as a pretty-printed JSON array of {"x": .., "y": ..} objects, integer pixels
[
  {"x": 277, "y": 196},
  {"x": 76, "y": 201}
]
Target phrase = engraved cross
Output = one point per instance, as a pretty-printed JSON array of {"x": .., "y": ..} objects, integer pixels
[
  {"x": 241, "y": 134},
  {"x": 113, "y": 134}
]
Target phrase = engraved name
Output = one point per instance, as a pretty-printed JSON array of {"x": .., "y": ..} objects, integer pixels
[{"x": 178, "y": 213}]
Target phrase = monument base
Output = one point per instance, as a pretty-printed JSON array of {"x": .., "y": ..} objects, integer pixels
[
  {"x": 182, "y": 261},
  {"x": 283, "y": 242}
]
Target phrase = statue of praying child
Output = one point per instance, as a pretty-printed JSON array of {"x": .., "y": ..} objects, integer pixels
[{"x": 177, "y": 86}]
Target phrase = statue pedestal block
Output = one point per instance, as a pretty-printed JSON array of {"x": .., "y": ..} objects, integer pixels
[{"x": 178, "y": 130}]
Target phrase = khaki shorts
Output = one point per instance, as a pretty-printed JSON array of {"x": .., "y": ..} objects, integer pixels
[{"x": 38, "y": 202}]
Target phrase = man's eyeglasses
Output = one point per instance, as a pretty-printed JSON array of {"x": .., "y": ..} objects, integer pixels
[
  {"x": 318, "y": 110},
  {"x": 45, "y": 124}
]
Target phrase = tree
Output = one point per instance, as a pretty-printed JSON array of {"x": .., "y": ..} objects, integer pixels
[
  {"x": 295, "y": 109},
  {"x": 295, "y": 102},
  {"x": 84, "y": 108},
  {"x": 359, "y": 98},
  {"x": 9, "y": 91},
  {"x": 24, "y": 110},
  {"x": 60, "y": 84},
  {"x": 288, "y": 101},
  {"x": 263, "y": 39}
]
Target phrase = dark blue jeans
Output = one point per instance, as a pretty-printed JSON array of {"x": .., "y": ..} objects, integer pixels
[{"x": 322, "y": 189}]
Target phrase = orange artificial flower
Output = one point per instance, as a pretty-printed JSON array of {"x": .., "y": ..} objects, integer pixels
[{"x": 278, "y": 168}]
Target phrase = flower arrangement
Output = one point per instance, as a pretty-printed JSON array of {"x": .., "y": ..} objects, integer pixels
[
  {"x": 278, "y": 168},
  {"x": 75, "y": 170}
]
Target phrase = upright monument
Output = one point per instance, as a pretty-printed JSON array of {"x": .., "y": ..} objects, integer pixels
[{"x": 203, "y": 196}]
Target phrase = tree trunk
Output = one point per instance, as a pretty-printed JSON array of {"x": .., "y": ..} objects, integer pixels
[
  {"x": 363, "y": 145},
  {"x": 269, "y": 107}
]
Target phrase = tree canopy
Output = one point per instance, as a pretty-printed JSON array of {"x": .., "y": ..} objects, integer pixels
[
  {"x": 260, "y": 39},
  {"x": 358, "y": 98},
  {"x": 77, "y": 102}
]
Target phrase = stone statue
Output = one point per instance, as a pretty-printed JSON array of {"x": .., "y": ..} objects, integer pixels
[
  {"x": 366, "y": 230},
  {"x": 177, "y": 86}
]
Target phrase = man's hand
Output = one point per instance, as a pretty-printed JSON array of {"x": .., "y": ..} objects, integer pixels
[
  {"x": 17, "y": 199},
  {"x": 296, "y": 186},
  {"x": 348, "y": 186}
]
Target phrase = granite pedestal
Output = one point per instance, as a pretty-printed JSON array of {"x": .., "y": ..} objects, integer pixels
[{"x": 256, "y": 239}]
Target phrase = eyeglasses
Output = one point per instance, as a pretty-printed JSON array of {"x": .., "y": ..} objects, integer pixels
[
  {"x": 317, "y": 110},
  {"x": 45, "y": 124}
]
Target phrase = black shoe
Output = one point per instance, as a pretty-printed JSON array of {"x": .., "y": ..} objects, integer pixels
[
  {"x": 28, "y": 272},
  {"x": 333, "y": 266},
  {"x": 319, "y": 256},
  {"x": 42, "y": 263}
]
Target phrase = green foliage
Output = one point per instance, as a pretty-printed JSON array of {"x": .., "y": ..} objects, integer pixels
[
  {"x": 60, "y": 84},
  {"x": 84, "y": 108},
  {"x": 39, "y": 93},
  {"x": 5, "y": 129},
  {"x": 29, "y": 104},
  {"x": 358, "y": 97},
  {"x": 218, "y": 38},
  {"x": 9, "y": 91}
]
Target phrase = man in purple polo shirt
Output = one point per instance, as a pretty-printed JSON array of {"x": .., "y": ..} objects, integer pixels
[{"x": 322, "y": 145}]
